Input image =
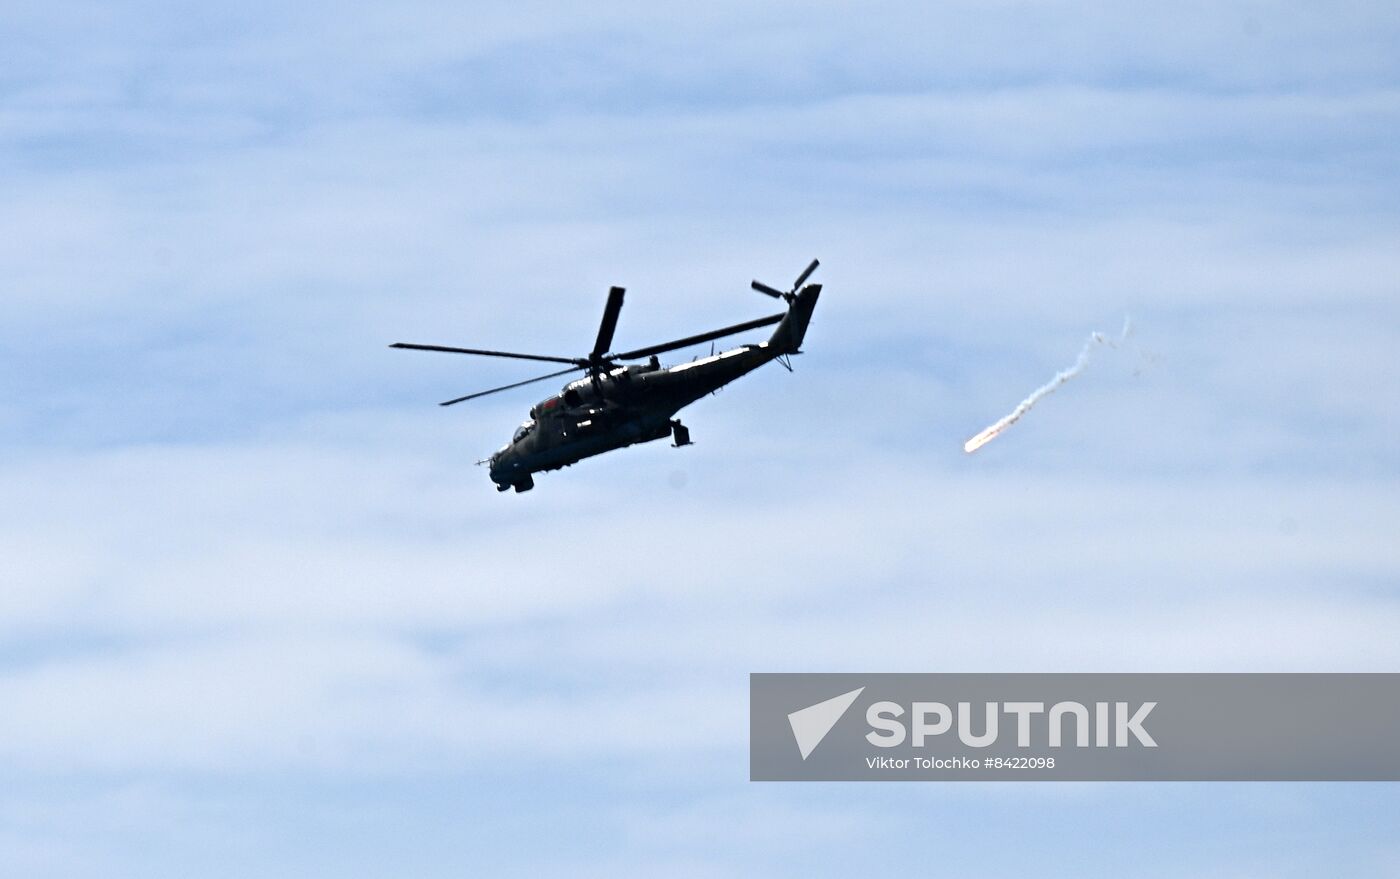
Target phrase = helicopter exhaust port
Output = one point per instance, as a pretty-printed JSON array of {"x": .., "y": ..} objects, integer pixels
[{"x": 680, "y": 434}]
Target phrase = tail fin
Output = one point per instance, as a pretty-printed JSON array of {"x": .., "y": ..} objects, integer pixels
[{"x": 792, "y": 329}]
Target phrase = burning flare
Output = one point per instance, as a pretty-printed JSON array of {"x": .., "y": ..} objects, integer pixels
[{"x": 1064, "y": 375}]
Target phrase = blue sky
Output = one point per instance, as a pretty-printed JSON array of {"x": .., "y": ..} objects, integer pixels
[{"x": 259, "y": 614}]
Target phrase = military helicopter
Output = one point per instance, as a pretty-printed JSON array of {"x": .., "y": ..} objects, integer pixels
[{"x": 616, "y": 405}]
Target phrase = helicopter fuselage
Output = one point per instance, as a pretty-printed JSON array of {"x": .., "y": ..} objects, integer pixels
[
  {"x": 621, "y": 407},
  {"x": 625, "y": 405},
  {"x": 615, "y": 405}
]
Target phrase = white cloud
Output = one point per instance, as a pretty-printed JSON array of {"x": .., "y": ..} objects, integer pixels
[
  {"x": 239, "y": 543},
  {"x": 278, "y": 607}
]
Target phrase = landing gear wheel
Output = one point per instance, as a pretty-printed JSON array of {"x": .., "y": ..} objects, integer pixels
[{"x": 681, "y": 434}]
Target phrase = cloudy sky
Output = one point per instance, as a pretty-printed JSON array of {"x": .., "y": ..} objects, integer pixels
[{"x": 260, "y": 615}]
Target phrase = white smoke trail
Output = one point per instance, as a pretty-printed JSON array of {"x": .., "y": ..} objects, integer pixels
[{"x": 1040, "y": 393}]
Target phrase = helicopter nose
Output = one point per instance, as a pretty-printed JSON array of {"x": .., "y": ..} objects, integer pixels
[{"x": 502, "y": 463}]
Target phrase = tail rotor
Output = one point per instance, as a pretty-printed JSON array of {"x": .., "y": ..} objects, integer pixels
[{"x": 789, "y": 295}]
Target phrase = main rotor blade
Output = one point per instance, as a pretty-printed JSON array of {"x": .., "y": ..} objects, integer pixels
[
  {"x": 805, "y": 275},
  {"x": 695, "y": 340},
  {"x": 764, "y": 288},
  {"x": 413, "y": 347},
  {"x": 609, "y": 324},
  {"x": 508, "y": 387}
]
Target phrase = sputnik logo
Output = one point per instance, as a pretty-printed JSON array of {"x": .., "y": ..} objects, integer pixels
[{"x": 811, "y": 724}]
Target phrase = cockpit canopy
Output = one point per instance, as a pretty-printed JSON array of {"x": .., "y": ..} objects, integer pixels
[{"x": 523, "y": 431}]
